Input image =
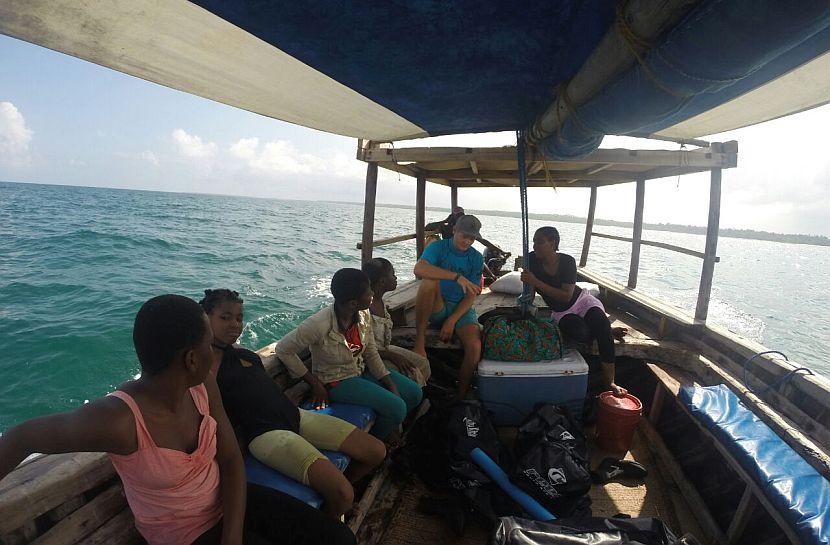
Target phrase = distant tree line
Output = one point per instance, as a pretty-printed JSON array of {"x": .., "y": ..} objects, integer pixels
[{"x": 816, "y": 240}]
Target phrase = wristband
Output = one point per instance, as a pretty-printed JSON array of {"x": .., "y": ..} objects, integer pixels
[{"x": 457, "y": 276}]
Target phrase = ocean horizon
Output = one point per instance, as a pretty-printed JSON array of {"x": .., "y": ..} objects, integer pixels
[{"x": 77, "y": 262}]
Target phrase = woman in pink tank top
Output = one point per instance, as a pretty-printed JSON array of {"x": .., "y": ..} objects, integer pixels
[{"x": 172, "y": 445}]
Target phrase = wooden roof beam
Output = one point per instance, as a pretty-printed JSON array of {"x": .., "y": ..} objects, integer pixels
[
  {"x": 708, "y": 158},
  {"x": 559, "y": 176}
]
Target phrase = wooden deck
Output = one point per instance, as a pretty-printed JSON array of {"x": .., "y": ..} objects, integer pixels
[{"x": 398, "y": 519}]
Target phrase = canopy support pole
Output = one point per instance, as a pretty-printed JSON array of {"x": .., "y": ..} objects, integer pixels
[
  {"x": 637, "y": 236},
  {"x": 453, "y": 197},
  {"x": 369, "y": 212},
  {"x": 712, "y": 227},
  {"x": 589, "y": 227},
  {"x": 420, "y": 214}
]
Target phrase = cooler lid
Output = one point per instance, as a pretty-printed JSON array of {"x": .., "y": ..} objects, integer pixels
[{"x": 571, "y": 364}]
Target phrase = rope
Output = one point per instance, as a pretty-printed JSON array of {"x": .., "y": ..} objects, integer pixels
[
  {"x": 782, "y": 380},
  {"x": 520, "y": 152},
  {"x": 636, "y": 44}
]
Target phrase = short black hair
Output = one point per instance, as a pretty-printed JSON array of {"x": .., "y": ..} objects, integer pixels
[
  {"x": 377, "y": 268},
  {"x": 164, "y": 326},
  {"x": 212, "y": 298},
  {"x": 349, "y": 284},
  {"x": 550, "y": 233}
]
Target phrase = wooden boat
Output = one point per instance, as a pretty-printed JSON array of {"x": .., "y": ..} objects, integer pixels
[{"x": 696, "y": 483}]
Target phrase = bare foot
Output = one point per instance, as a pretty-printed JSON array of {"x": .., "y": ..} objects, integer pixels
[
  {"x": 419, "y": 349},
  {"x": 619, "y": 333}
]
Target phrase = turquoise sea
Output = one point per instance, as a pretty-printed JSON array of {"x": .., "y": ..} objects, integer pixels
[{"x": 76, "y": 264}]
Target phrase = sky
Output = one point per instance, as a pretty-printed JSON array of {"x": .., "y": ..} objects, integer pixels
[{"x": 67, "y": 121}]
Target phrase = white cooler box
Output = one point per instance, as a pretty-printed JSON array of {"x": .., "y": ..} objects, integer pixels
[{"x": 510, "y": 389}]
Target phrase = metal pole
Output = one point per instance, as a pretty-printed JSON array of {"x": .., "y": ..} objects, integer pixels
[
  {"x": 453, "y": 197},
  {"x": 712, "y": 227},
  {"x": 369, "y": 211}
]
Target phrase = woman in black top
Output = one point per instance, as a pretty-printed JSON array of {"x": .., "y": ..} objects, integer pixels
[
  {"x": 275, "y": 431},
  {"x": 580, "y": 315}
]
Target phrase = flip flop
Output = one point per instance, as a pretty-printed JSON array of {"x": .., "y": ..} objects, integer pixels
[
  {"x": 611, "y": 469},
  {"x": 619, "y": 333}
]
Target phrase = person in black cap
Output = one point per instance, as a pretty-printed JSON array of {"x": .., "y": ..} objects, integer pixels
[{"x": 450, "y": 272}]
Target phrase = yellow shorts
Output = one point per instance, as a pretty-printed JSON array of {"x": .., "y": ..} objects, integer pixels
[{"x": 292, "y": 454}]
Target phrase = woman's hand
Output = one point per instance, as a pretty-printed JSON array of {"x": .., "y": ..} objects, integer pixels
[
  {"x": 389, "y": 385},
  {"x": 529, "y": 278},
  {"x": 618, "y": 391},
  {"x": 319, "y": 395}
]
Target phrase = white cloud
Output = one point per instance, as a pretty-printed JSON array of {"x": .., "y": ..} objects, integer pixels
[
  {"x": 150, "y": 157},
  {"x": 245, "y": 148},
  {"x": 190, "y": 145},
  {"x": 14, "y": 135},
  {"x": 277, "y": 157}
]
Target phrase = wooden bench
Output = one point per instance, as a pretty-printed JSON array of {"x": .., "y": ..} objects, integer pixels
[{"x": 670, "y": 380}]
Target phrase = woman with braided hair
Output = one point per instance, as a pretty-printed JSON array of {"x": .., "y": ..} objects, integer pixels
[{"x": 275, "y": 431}]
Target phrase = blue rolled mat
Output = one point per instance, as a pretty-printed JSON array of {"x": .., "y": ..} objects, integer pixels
[{"x": 533, "y": 507}]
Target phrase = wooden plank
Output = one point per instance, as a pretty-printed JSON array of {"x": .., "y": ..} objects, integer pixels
[
  {"x": 119, "y": 529},
  {"x": 36, "y": 488},
  {"x": 672, "y": 469},
  {"x": 387, "y": 241},
  {"x": 657, "y": 404},
  {"x": 712, "y": 227},
  {"x": 368, "y": 499},
  {"x": 694, "y": 158},
  {"x": 66, "y": 508},
  {"x": 369, "y": 211},
  {"x": 618, "y": 290},
  {"x": 639, "y": 204},
  {"x": 87, "y": 519},
  {"x": 589, "y": 227},
  {"x": 559, "y": 176},
  {"x": 741, "y": 517},
  {"x": 420, "y": 214},
  {"x": 453, "y": 196},
  {"x": 663, "y": 245},
  {"x": 403, "y": 297}
]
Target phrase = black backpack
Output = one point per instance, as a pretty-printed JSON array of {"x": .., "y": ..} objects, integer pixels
[
  {"x": 608, "y": 531},
  {"x": 552, "y": 462},
  {"x": 439, "y": 444}
]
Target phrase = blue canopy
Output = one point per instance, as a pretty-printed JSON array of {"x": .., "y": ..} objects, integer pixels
[{"x": 405, "y": 69}]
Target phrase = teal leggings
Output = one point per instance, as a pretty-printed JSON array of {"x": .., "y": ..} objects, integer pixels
[{"x": 391, "y": 409}]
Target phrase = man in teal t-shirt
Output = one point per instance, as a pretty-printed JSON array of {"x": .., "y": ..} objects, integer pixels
[{"x": 450, "y": 273}]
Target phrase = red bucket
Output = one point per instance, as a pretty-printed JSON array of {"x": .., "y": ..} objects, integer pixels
[{"x": 617, "y": 419}]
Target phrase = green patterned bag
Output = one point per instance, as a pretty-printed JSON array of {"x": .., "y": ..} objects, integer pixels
[{"x": 509, "y": 337}]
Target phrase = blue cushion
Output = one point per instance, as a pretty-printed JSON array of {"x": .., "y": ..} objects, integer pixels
[
  {"x": 799, "y": 492},
  {"x": 259, "y": 473},
  {"x": 358, "y": 415}
]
